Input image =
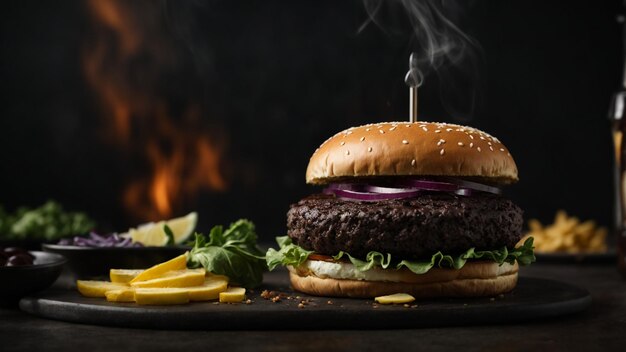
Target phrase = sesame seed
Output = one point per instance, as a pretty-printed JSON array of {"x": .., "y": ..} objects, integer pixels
[
  {"x": 369, "y": 149},
  {"x": 349, "y": 132},
  {"x": 441, "y": 141},
  {"x": 343, "y": 143},
  {"x": 347, "y": 152},
  {"x": 460, "y": 144},
  {"x": 413, "y": 162},
  {"x": 448, "y": 129},
  {"x": 367, "y": 129},
  {"x": 478, "y": 148},
  {"x": 408, "y": 125},
  {"x": 381, "y": 131},
  {"x": 501, "y": 149},
  {"x": 437, "y": 131},
  {"x": 489, "y": 143},
  {"x": 509, "y": 154},
  {"x": 472, "y": 137},
  {"x": 392, "y": 128},
  {"x": 483, "y": 138},
  {"x": 362, "y": 139},
  {"x": 425, "y": 129},
  {"x": 442, "y": 152},
  {"x": 404, "y": 141},
  {"x": 491, "y": 148},
  {"x": 471, "y": 145}
]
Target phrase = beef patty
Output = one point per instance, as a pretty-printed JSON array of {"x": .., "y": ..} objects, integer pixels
[{"x": 407, "y": 228}]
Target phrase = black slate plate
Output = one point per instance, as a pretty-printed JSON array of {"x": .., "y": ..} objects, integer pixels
[{"x": 533, "y": 299}]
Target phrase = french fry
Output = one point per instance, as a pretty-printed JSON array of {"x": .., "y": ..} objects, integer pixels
[{"x": 567, "y": 234}]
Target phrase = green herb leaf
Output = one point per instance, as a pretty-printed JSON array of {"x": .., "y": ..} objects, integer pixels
[
  {"x": 169, "y": 234},
  {"x": 47, "y": 222},
  {"x": 233, "y": 253},
  {"x": 291, "y": 254}
]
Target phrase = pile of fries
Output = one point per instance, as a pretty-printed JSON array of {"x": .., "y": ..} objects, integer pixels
[{"x": 567, "y": 235}]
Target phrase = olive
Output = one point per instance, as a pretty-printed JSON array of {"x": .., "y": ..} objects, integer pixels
[
  {"x": 19, "y": 259},
  {"x": 13, "y": 250}
]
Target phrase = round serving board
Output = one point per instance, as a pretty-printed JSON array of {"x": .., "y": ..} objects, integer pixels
[{"x": 533, "y": 299}]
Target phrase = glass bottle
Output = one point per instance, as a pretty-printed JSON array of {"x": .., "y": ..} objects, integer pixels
[{"x": 617, "y": 116}]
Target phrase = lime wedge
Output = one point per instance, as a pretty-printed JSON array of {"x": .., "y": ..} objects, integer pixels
[{"x": 152, "y": 234}]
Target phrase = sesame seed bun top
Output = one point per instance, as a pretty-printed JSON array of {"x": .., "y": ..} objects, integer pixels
[{"x": 411, "y": 149}]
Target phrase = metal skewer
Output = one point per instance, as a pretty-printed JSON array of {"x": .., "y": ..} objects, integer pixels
[
  {"x": 413, "y": 84},
  {"x": 413, "y": 104}
]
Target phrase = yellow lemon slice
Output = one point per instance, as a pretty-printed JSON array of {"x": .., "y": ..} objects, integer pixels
[
  {"x": 152, "y": 234},
  {"x": 123, "y": 275},
  {"x": 233, "y": 295},
  {"x": 161, "y": 296},
  {"x": 216, "y": 276},
  {"x": 176, "y": 278},
  {"x": 397, "y": 298},
  {"x": 155, "y": 272},
  {"x": 89, "y": 288},
  {"x": 210, "y": 290},
  {"x": 123, "y": 295}
]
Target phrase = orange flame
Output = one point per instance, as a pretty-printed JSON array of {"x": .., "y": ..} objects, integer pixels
[{"x": 181, "y": 157}]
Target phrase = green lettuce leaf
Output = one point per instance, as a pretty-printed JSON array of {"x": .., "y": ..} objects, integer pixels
[
  {"x": 291, "y": 254},
  {"x": 233, "y": 252}
]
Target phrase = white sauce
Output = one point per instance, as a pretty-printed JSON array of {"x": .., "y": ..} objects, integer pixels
[{"x": 349, "y": 272}]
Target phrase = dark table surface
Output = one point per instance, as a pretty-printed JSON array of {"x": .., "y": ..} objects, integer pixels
[{"x": 601, "y": 327}]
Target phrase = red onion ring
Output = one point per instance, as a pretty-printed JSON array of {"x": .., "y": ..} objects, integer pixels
[
  {"x": 430, "y": 185},
  {"x": 369, "y": 196},
  {"x": 463, "y": 192},
  {"x": 407, "y": 189},
  {"x": 388, "y": 190},
  {"x": 473, "y": 185}
]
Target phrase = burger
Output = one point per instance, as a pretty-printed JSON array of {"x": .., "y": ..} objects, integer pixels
[{"x": 406, "y": 208}]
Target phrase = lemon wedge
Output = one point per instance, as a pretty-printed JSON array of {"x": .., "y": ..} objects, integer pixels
[
  {"x": 233, "y": 295},
  {"x": 123, "y": 275},
  {"x": 89, "y": 288},
  {"x": 161, "y": 296},
  {"x": 178, "y": 263},
  {"x": 123, "y": 295},
  {"x": 210, "y": 290},
  {"x": 397, "y": 298},
  {"x": 175, "y": 278},
  {"x": 152, "y": 234}
]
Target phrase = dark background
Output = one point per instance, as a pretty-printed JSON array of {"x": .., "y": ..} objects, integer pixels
[{"x": 276, "y": 78}]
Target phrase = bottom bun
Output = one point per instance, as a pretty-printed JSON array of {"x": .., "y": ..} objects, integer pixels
[{"x": 479, "y": 283}]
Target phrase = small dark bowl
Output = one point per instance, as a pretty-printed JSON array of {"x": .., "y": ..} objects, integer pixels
[
  {"x": 95, "y": 263},
  {"x": 19, "y": 281}
]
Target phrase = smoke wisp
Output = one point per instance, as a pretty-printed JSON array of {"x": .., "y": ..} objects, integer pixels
[{"x": 439, "y": 47}]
